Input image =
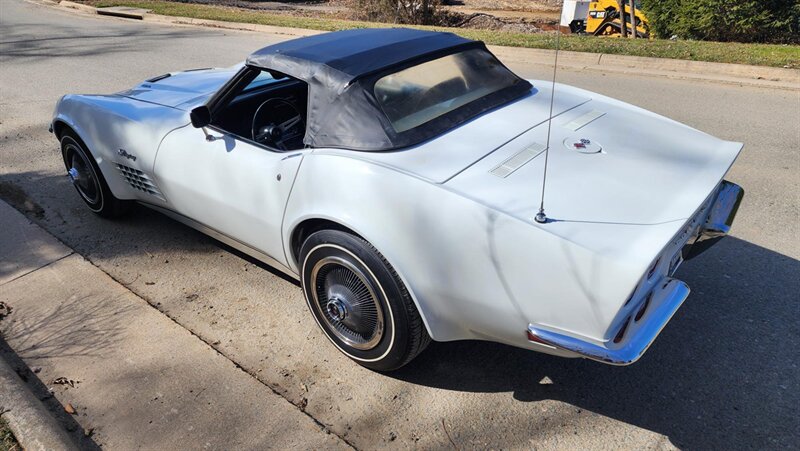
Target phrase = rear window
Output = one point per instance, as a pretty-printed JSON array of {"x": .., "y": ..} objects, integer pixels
[{"x": 419, "y": 94}]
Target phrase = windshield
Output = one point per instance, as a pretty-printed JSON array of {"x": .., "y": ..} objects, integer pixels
[
  {"x": 419, "y": 94},
  {"x": 262, "y": 79}
]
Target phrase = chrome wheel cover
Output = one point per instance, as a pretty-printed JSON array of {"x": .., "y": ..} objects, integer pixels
[
  {"x": 345, "y": 299},
  {"x": 82, "y": 175}
]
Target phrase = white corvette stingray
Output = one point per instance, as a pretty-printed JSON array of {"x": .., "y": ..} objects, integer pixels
[{"x": 397, "y": 173}]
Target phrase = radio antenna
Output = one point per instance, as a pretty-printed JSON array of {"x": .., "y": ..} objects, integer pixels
[{"x": 541, "y": 217}]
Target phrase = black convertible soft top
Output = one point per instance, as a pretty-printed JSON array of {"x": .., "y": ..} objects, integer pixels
[
  {"x": 341, "y": 68},
  {"x": 351, "y": 54}
]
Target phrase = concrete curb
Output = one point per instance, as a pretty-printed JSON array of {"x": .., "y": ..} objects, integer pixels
[
  {"x": 258, "y": 28},
  {"x": 740, "y": 74},
  {"x": 26, "y": 248},
  {"x": 770, "y": 77},
  {"x": 31, "y": 423},
  {"x": 78, "y": 6},
  {"x": 123, "y": 11}
]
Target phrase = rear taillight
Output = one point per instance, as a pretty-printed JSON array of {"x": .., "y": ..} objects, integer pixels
[{"x": 535, "y": 338}]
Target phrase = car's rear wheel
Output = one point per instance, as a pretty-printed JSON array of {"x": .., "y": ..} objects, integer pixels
[
  {"x": 359, "y": 301},
  {"x": 85, "y": 176}
]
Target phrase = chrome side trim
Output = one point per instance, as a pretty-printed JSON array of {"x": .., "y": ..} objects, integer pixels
[
  {"x": 720, "y": 218},
  {"x": 639, "y": 336},
  {"x": 219, "y": 236}
]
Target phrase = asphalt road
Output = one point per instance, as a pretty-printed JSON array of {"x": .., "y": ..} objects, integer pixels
[{"x": 723, "y": 374}]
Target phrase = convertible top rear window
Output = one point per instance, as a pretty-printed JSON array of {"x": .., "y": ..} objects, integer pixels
[
  {"x": 419, "y": 94},
  {"x": 428, "y": 83}
]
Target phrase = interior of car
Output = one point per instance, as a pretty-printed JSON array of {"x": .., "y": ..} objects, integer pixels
[{"x": 271, "y": 111}]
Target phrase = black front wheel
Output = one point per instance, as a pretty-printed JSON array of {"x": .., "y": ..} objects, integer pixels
[
  {"x": 359, "y": 301},
  {"x": 85, "y": 176}
]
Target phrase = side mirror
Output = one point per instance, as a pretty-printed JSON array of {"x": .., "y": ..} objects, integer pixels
[{"x": 200, "y": 116}]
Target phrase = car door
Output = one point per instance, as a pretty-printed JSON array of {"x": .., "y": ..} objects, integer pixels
[{"x": 230, "y": 185}]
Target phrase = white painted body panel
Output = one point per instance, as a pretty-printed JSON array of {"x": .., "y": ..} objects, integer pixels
[
  {"x": 462, "y": 239},
  {"x": 182, "y": 90},
  {"x": 107, "y": 123},
  {"x": 230, "y": 185}
]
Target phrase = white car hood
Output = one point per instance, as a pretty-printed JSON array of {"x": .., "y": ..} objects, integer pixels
[{"x": 182, "y": 90}]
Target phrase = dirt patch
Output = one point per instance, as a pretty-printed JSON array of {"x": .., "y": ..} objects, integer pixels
[
  {"x": 20, "y": 200},
  {"x": 506, "y": 5},
  {"x": 483, "y": 21},
  {"x": 519, "y": 16}
]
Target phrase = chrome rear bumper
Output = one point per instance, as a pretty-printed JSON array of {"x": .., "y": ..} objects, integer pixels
[
  {"x": 665, "y": 300},
  {"x": 719, "y": 221},
  {"x": 639, "y": 337}
]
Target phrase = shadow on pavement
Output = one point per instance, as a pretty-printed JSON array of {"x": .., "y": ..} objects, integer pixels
[
  {"x": 54, "y": 334},
  {"x": 17, "y": 43},
  {"x": 15, "y": 188},
  {"x": 39, "y": 389}
]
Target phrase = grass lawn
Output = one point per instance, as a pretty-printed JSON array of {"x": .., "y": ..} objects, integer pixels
[
  {"x": 7, "y": 440},
  {"x": 722, "y": 52}
]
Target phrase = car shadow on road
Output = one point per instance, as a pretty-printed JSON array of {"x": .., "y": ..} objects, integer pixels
[
  {"x": 15, "y": 189},
  {"x": 723, "y": 373}
]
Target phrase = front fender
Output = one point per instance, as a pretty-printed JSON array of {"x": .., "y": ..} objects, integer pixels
[{"x": 108, "y": 123}]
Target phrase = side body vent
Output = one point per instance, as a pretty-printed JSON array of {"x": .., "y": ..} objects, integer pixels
[{"x": 140, "y": 181}]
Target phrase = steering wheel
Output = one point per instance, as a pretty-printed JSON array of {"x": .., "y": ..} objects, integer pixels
[{"x": 285, "y": 127}]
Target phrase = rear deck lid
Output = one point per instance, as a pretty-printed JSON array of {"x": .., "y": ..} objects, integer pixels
[{"x": 609, "y": 163}]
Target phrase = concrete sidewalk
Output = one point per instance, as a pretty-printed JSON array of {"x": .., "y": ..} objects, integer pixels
[{"x": 133, "y": 377}]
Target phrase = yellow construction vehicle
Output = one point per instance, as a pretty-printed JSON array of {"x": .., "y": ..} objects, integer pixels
[{"x": 603, "y": 18}]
